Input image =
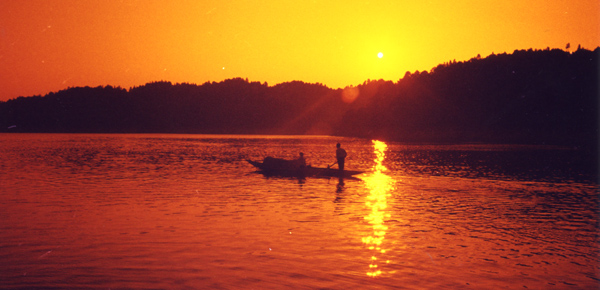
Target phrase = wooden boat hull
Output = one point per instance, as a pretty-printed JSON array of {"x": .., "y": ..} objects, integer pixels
[{"x": 308, "y": 171}]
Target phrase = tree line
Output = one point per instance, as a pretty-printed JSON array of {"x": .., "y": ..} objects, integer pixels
[{"x": 530, "y": 96}]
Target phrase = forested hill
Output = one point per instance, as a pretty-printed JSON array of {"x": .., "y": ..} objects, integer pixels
[{"x": 540, "y": 97}]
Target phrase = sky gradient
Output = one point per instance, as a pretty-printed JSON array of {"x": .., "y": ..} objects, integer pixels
[{"x": 51, "y": 45}]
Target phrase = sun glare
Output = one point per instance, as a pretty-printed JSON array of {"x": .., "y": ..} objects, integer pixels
[
  {"x": 379, "y": 185},
  {"x": 380, "y": 55}
]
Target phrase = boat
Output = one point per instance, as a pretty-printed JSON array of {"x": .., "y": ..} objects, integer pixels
[{"x": 291, "y": 168}]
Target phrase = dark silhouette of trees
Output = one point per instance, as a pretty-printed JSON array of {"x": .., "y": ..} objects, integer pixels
[
  {"x": 73, "y": 110},
  {"x": 542, "y": 96},
  {"x": 548, "y": 96}
]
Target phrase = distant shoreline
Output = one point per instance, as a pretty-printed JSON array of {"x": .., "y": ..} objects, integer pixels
[{"x": 528, "y": 97}]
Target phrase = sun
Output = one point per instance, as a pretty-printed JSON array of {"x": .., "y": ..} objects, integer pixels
[{"x": 380, "y": 55}]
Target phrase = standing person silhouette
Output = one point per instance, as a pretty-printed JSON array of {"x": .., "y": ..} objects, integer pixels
[{"x": 340, "y": 155}]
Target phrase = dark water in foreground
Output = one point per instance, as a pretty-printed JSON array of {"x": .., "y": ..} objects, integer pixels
[{"x": 188, "y": 212}]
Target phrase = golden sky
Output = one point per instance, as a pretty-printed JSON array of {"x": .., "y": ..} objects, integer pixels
[{"x": 49, "y": 45}]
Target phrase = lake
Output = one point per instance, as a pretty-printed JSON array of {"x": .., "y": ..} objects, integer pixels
[{"x": 94, "y": 211}]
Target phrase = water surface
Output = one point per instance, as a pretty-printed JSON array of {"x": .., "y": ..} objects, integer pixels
[{"x": 188, "y": 212}]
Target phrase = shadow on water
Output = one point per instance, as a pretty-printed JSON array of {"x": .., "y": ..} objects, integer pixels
[
  {"x": 299, "y": 179},
  {"x": 340, "y": 185}
]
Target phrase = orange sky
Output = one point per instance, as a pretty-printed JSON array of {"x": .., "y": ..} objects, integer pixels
[{"x": 49, "y": 45}]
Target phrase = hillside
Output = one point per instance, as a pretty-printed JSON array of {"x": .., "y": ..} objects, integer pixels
[{"x": 537, "y": 97}]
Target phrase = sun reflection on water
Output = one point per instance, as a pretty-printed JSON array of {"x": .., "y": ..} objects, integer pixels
[{"x": 379, "y": 185}]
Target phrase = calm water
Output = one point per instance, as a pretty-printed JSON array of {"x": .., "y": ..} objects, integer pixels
[{"x": 188, "y": 212}]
